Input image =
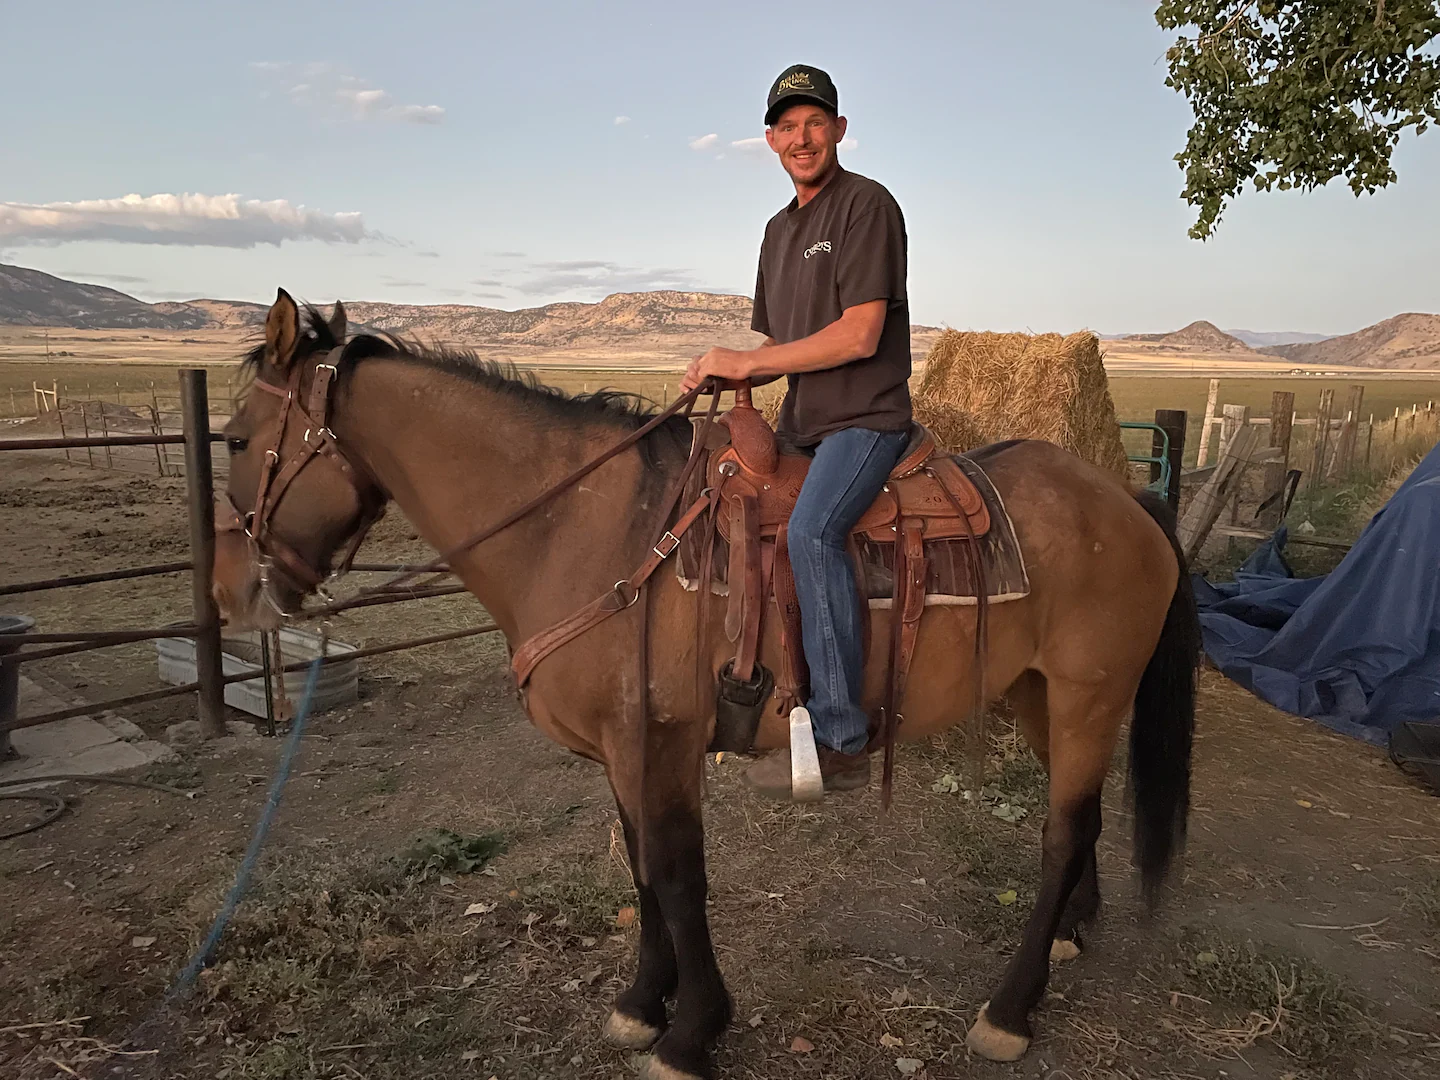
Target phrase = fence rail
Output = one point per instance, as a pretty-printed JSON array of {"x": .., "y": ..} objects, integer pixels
[{"x": 199, "y": 472}]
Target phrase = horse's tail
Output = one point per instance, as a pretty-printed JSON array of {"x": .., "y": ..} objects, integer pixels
[{"x": 1164, "y": 725}]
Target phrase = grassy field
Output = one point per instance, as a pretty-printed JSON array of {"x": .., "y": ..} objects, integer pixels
[{"x": 1136, "y": 397}]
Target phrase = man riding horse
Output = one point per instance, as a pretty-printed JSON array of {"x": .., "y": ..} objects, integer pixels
[{"x": 830, "y": 300}]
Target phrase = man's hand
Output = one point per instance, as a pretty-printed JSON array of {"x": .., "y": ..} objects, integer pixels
[{"x": 721, "y": 363}]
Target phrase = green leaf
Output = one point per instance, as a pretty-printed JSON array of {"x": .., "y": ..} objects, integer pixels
[
  {"x": 445, "y": 849},
  {"x": 1007, "y": 897},
  {"x": 1296, "y": 93}
]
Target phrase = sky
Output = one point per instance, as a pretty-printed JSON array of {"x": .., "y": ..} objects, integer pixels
[{"x": 514, "y": 154}]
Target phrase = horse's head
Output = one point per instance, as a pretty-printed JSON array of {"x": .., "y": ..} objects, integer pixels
[{"x": 294, "y": 498}]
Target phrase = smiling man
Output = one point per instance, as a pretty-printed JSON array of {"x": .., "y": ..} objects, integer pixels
[{"x": 830, "y": 299}]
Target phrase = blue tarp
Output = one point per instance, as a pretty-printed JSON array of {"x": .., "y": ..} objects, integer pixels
[{"x": 1358, "y": 649}]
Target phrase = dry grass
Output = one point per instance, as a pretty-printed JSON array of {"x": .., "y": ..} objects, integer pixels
[
  {"x": 1307, "y": 1011},
  {"x": 1019, "y": 386},
  {"x": 980, "y": 388}
]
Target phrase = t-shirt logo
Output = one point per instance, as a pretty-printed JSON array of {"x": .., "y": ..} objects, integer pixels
[{"x": 815, "y": 249}]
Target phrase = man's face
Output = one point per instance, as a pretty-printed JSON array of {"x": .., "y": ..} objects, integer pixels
[{"x": 805, "y": 137}]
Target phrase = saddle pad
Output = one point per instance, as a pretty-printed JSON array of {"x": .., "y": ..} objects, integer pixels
[{"x": 950, "y": 579}]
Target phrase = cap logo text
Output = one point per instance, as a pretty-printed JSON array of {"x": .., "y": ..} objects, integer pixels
[{"x": 796, "y": 80}]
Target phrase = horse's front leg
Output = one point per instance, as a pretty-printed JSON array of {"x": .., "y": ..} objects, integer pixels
[
  {"x": 638, "y": 1018},
  {"x": 671, "y": 845}
]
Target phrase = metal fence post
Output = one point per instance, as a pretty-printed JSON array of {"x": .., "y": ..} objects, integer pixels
[
  {"x": 1172, "y": 422},
  {"x": 200, "y": 497}
]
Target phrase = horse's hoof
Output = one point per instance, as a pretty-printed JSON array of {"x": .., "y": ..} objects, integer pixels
[
  {"x": 628, "y": 1033},
  {"x": 1063, "y": 949},
  {"x": 993, "y": 1043},
  {"x": 655, "y": 1069}
]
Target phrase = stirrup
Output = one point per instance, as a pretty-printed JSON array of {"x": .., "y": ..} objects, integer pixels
[{"x": 806, "y": 783}]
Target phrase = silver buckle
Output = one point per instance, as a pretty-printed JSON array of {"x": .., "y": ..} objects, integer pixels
[{"x": 669, "y": 542}]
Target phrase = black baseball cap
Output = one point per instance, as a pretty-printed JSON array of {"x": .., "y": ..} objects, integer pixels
[{"x": 800, "y": 82}]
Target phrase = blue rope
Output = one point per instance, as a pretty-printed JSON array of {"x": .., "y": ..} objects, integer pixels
[{"x": 186, "y": 980}]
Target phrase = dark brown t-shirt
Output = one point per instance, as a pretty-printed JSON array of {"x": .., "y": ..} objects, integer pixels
[{"x": 844, "y": 247}]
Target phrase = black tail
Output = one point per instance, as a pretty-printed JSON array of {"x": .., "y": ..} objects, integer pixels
[{"x": 1164, "y": 724}]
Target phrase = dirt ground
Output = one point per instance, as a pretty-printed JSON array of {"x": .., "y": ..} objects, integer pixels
[{"x": 1301, "y": 939}]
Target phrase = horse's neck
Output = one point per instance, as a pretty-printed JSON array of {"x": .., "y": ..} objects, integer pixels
[{"x": 457, "y": 456}]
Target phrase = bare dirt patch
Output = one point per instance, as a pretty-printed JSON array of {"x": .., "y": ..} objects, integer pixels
[{"x": 1302, "y": 938}]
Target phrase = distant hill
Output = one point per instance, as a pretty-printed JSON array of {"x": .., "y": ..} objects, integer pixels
[
  {"x": 1411, "y": 340},
  {"x": 688, "y": 319},
  {"x": 31, "y": 298},
  {"x": 1261, "y": 339},
  {"x": 1199, "y": 336}
]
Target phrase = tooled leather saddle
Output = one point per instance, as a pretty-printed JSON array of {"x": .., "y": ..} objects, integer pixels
[{"x": 928, "y": 532}]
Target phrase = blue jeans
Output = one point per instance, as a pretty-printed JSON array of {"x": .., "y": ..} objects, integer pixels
[{"x": 849, "y": 469}]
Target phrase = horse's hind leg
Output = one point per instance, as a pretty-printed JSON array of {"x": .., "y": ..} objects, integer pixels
[
  {"x": 1027, "y": 698},
  {"x": 638, "y": 1019},
  {"x": 1084, "y": 723}
]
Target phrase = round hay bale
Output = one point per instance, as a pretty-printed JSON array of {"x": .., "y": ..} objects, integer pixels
[
  {"x": 1023, "y": 386},
  {"x": 954, "y": 428}
]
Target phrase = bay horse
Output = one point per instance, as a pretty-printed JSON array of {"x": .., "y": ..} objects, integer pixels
[{"x": 1108, "y": 629}]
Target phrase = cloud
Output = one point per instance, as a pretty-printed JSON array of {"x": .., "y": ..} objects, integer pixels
[
  {"x": 428, "y": 254},
  {"x": 597, "y": 278},
  {"x": 405, "y": 283},
  {"x": 489, "y": 283},
  {"x": 488, "y": 295},
  {"x": 621, "y": 120},
  {"x": 850, "y": 144},
  {"x": 506, "y": 254},
  {"x": 704, "y": 142},
  {"x": 751, "y": 146},
  {"x": 330, "y": 91},
  {"x": 191, "y": 220}
]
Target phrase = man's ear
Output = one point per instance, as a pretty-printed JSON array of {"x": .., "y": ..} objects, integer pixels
[
  {"x": 842, "y": 125},
  {"x": 282, "y": 331}
]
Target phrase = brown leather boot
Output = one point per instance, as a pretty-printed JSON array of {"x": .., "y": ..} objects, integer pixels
[{"x": 770, "y": 776}]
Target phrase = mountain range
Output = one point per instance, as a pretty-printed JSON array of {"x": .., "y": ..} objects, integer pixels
[{"x": 33, "y": 298}]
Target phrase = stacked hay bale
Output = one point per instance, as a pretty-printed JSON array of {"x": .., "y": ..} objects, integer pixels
[
  {"x": 1023, "y": 386},
  {"x": 979, "y": 388}
]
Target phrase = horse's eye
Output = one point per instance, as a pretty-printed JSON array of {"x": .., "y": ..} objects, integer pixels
[{"x": 236, "y": 445}]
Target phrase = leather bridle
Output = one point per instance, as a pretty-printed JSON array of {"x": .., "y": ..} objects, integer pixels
[{"x": 275, "y": 479}]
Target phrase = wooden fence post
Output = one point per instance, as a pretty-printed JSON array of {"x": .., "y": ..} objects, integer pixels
[
  {"x": 61, "y": 417},
  {"x": 200, "y": 496},
  {"x": 1205, "y": 507},
  {"x": 1204, "y": 453},
  {"x": 1322, "y": 438},
  {"x": 1369, "y": 439},
  {"x": 1344, "y": 462},
  {"x": 105, "y": 431},
  {"x": 1237, "y": 419},
  {"x": 155, "y": 427},
  {"x": 1172, "y": 422},
  {"x": 85, "y": 423},
  {"x": 1282, "y": 413}
]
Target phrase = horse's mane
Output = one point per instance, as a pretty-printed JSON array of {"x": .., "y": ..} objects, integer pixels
[{"x": 624, "y": 410}]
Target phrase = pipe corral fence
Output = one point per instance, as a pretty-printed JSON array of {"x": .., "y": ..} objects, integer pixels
[{"x": 17, "y": 648}]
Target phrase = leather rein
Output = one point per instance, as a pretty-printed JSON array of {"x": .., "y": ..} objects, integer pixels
[{"x": 319, "y": 441}]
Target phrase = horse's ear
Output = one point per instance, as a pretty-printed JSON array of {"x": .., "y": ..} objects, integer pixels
[
  {"x": 337, "y": 323},
  {"x": 282, "y": 331}
]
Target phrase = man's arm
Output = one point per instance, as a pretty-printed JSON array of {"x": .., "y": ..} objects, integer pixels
[{"x": 853, "y": 336}]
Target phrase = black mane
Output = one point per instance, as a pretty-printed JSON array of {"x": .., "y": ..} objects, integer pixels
[{"x": 621, "y": 409}]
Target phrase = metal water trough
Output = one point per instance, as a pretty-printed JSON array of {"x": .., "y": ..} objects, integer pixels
[{"x": 338, "y": 682}]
